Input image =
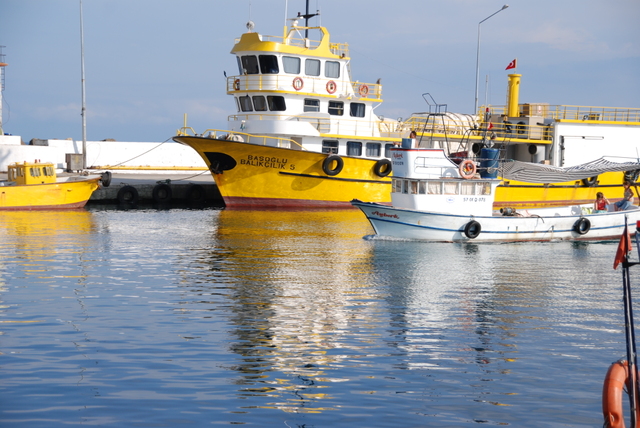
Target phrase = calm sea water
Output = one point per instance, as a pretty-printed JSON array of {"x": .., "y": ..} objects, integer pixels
[{"x": 148, "y": 318}]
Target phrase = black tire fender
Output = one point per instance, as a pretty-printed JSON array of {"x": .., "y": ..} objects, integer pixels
[
  {"x": 162, "y": 193},
  {"x": 328, "y": 162},
  {"x": 582, "y": 226},
  {"x": 105, "y": 178},
  {"x": 472, "y": 229},
  {"x": 128, "y": 195},
  {"x": 590, "y": 182},
  {"x": 195, "y": 193},
  {"x": 382, "y": 168}
]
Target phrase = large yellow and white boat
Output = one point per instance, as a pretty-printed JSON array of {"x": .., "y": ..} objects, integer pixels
[
  {"x": 306, "y": 134},
  {"x": 36, "y": 186}
]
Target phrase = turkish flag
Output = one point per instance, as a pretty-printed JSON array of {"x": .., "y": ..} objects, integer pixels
[
  {"x": 623, "y": 247},
  {"x": 511, "y": 65}
]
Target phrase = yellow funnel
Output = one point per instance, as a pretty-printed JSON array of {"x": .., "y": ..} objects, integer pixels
[{"x": 513, "y": 95}]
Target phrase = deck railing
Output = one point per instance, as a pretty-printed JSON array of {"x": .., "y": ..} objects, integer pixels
[{"x": 261, "y": 140}]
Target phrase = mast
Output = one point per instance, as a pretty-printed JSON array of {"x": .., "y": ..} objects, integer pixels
[
  {"x": 84, "y": 109},
  {"x": 2, "y": 66},
  {"x": 306, "y": 17}
]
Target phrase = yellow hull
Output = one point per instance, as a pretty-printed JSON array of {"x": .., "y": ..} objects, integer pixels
[
  {"x": 58, "y": 195},
  {"x": 261, "y": 176},
  {"x": 250, "y": 175}
]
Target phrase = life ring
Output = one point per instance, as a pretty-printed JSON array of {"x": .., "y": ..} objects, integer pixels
[
  {"x": 195, "y": 193},
  {"x": 472, "y": 229},
  {"x": 128, "y": 195},
  {"x": 297, "y": 83},
  {"x": 106, "y": 178},
  {"x": 162, "y": 193},
  {"x": 364, "y": 91},
  {"x": 328, "y": 163},
  {"x": 331, "y": 86},
  {"x": 590, "y": 182},
  {"x": 382, "y": 168},
  {"x": 236, "y": 84},
  {"x": 582, "y": 226},
  {"x": 467, "y": 168},
  {"x": 614, "y": 383}
]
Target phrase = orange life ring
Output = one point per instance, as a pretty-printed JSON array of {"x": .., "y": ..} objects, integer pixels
[
  {"x": 236, "y": 84},
  {"x": 467, "y": 168},
  {"x": 297, "y": 83},
  {"x": 331, "y": 86},
  {"x": 364, "y": 91},
  {"x": 614, "y": 383}
]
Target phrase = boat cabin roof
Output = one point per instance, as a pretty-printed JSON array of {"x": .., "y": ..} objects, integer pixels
[{"x": 27, "y": 173}]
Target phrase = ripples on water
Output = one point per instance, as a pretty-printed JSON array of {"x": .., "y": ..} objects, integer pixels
[{"x": 291, "y": 319}]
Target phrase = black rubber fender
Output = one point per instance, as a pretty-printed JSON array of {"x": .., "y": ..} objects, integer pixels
[
  {"x": 128, "y": 195},
  {"x": 472, "y": 229},
  {"x": 590, "y": 182},
  {"x": 582, "y": 226},
  {"x": 105, "y": 178},
  {"x": 382, "y": 168},
  {"x": 162, "y": 193},
  {"x": 328, "y": 162},
  {"x": 195, "y": 193}
]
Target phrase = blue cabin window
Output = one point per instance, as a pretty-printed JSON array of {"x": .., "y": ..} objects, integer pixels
[
  {"x": 330, "y": 146},
  {"x": 312, "y": 67},
  {"x": 354, "y": 148},
  {"x": 259, "y": 103},
  {"x": 356, "y": 109},
  {"x": 311, "y": 105},
  {"x": 269, "y": 64},
  {"x": 336, "y": 108},
  {"x": 291, "y": 64},
  {"x": 276, "y": 103},
  {"x": 373, "y": 150},
  {"x": 250, "y": 65},
  {"x": 332, "y": 69}
]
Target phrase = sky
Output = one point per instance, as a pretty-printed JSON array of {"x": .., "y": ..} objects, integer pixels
[{"x": 150, "y": 62}]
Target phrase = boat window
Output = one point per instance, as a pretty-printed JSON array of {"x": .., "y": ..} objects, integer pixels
[
  {"x": 330, "y": 146},
  {"x": 336, "y": 108},
  {"x": 405, "y": 186},
  {"x": 259, "y": 103},
  {"x": 332, "y": 69},
  {"x": 397, "y": 185},
  {"x": 269, "y": 64},
  {"x": 311, "y": 105},
  {"x": 357, "y": 109},
  {"x": 245, "y": 103},
  {"x": 468, "y": 188},
  {"x": 414, "y": 187},
  {"x": 422, "y": 188},
  {"x": 250, "y": 65},
  {"x": 312, "y": 67},
  {"x": 387, "y": 150},
  {"x": 291, "y": 64},
  {"x": 450, "y": 188},
  {"x": 354, "y": 148},
  {"x": 48, "y": 170},
  {"x": 485, "y": 188},
  {"x": 373, "y": 150},
  {"x": 435, "y": 188},
  {"x": 276, "y": 103}
]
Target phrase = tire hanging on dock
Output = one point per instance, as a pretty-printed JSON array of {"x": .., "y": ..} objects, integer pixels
[
  {"x": 106, "y": 179},
  {"x": 162, "y": 193},
  {"x": 195, "y": 193},
  {"x": 128, "y": 195}
]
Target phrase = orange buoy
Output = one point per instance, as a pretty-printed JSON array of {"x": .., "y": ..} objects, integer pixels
[
  {"x": 467, "y": 168},
  {"x": 614, "y": 383}
]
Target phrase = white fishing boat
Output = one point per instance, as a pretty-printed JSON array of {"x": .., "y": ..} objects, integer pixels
[{"x": 435, "y": 199}]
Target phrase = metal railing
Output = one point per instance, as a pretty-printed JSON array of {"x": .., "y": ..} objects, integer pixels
[
  {"x": 260, "y": 140},
  {"x": 570, "y": 112}
]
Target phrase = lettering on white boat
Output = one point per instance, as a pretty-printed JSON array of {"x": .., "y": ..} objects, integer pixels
[
  {"x": 267, "y": 162},
  {"x": 379, "y": 214},
  {"x": 398, "y": 159},
  {"x": 468, "y": 199}
]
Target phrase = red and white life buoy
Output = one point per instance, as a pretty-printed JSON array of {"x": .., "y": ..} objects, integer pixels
[
  {"x": 467, "y": 168},
  {"x": 615, "y": 382},
  {"x": 331, "y": 86},
  {"x": 297, "y": 83},
  {"x": 364, "y": 91},
  {"x": 236, "y": 84}
]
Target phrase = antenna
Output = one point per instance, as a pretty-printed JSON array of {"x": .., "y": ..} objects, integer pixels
[{"x": 2, "y": 66}]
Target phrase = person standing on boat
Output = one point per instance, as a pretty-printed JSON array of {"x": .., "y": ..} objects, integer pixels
[
  {"x": 600, "y": 205},
  {"x": 626, "y": 202}
]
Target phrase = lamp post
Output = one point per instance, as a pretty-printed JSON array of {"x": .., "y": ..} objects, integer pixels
[{"x": 478, "y": 56}]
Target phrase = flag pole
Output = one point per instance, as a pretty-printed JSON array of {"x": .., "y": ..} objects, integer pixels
[{"x": 628, "y": 322}]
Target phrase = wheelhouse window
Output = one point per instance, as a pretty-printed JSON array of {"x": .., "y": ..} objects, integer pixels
[
  {"x": 250, "y": 65},
  {"x": 336, "y": 108},
  {"x": 312, "y": 67},
  {"x": 397, "y": 186},
  {"x": 387, "y": 148},
  {"x": 354, "y": 148},
  {"x": 311, "y": 105},
  {"x": 259, "y": 103},
  {"x": 245, "y": 103},
  {"x": 276, "y": 103},
  {"x": 291, "y": 64},
  {"x": 373, "y": 150},
  {"x": 332, "y": 69},
  {"x": 269, "y": 64},
  {"x": 356, "y": 109},
  {"x": 330, "y": 146}
]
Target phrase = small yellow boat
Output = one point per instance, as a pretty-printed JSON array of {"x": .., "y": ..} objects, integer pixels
[{"x": 35, "y": 186}]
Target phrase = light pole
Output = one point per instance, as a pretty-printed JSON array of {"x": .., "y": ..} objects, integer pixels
[{"x": 475, "y": 110}]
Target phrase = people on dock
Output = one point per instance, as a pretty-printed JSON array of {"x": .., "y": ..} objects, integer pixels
[
  {"x": 600, "y": 204},
  {"x": 627, "y": 201}
]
